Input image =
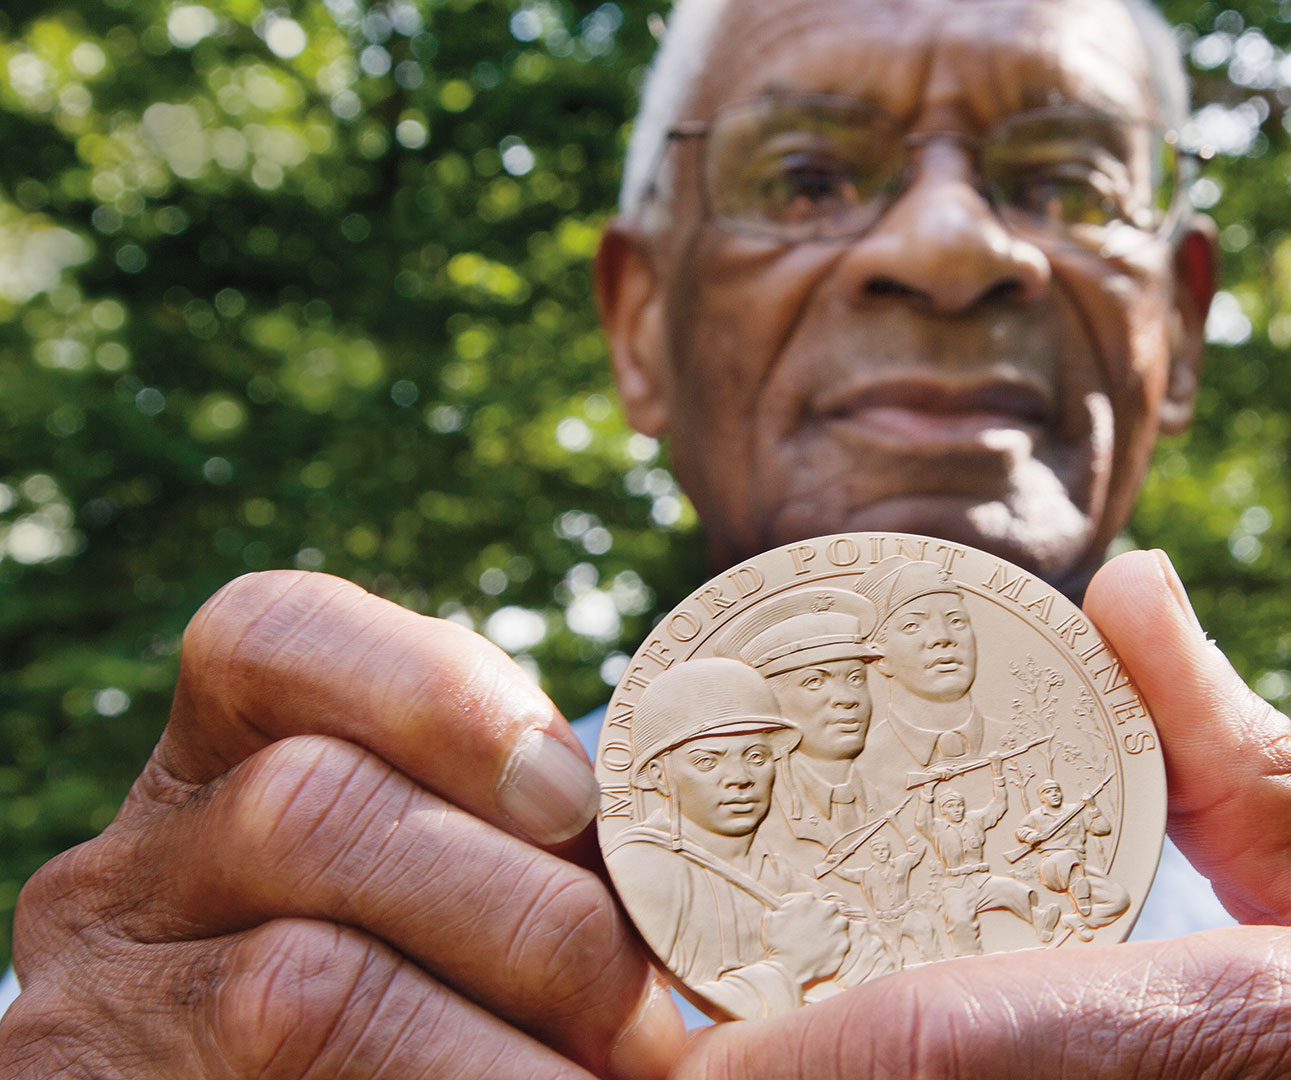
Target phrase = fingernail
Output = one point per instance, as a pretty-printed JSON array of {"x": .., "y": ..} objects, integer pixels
[
  {"x": 547, "y": 789},
  {"x": 650, "y": 1041},
  {"x": 1176, "y": 587}
]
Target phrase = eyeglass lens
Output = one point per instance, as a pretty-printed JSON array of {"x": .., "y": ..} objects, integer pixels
[{"x": 797, "y": 170}]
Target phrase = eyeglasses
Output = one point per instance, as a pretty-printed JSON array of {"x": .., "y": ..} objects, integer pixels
[{"x": 820, "y": 167}]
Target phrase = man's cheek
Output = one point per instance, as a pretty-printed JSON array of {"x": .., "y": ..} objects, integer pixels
[{"x": 1120, "y": 310}]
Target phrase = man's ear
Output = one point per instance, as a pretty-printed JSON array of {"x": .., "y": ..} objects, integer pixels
[
  {"x": 1196, "y": 272},
  {"x": 630, "y": 297},
  {"x": 659, "y": 777}
]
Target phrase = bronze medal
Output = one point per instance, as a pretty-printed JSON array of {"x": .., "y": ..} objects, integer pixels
[{"x": 864, "y": 752}]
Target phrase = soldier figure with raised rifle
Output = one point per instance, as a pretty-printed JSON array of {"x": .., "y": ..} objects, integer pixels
[
  {"x": 958, "y": 836},
  {"x": 1059, "y": 832},
  {"x": 886, "y": 883}
]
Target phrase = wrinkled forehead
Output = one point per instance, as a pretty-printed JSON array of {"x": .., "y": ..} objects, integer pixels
[{"x": 973, "y": 60}]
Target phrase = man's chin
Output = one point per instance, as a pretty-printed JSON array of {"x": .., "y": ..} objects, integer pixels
[{"x": 1052, "y": 539}]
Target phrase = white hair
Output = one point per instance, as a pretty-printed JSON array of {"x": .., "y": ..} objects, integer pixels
[
  {"x": 669, "y": 85},
  {"x": 1165, "y": 62},
  {"x": 682, "y": 58}
]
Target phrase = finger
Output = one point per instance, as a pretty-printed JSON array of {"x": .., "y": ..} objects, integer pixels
[
  {"x": 1227, "y": 752},
  {"x": 1208, "y": 1005},
  {"x": 286, "y": 653},
  {"x": 292, "y": 999},
  {"x": 315, "y": 827}
]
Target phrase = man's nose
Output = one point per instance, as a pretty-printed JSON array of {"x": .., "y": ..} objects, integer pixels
[
  {"x": 738, "y": 774},
  {"x": 942, "y": 246},
  {"x": 940, "y": 632}
]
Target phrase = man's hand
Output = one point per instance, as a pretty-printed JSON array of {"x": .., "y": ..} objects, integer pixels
[
  {"x": 1227, "y": 751},
  {"x": 1208, "y": 1005},
  {"x": 808, "y": 936},
  {"x": 329, "y": 868}
]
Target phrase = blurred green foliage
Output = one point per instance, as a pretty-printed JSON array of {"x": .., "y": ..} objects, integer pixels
[
  {"x": 1218, "y": 499},
  {"x": 308, "y": 286}
]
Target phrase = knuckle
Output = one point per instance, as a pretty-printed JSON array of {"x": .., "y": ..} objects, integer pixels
[
  {"x": 236, "y": 635},
  {"x": 295, "y": 992},
  {"x": 63, "y": 901},
  {"x": 45, "y": 1034},
  {"x": 571, "y": 945},
  {"x": 1226, "y": 993},
  {"x": 301, "y": 789}
]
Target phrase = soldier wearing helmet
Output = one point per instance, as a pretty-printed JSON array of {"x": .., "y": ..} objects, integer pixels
[
  {"x": 1058, "y": 832},
  {"x": 730, "y": 917}
]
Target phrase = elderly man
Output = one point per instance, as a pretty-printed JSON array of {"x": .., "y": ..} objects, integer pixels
[{"x": 885, "y": 264}]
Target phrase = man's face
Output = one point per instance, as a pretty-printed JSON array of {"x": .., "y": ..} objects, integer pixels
[
  {"x": 953, "y": 807},
  {"x": 929, "y": 647},
  {"x": 881, "y": 850},
  {"x": 937, "y": 374},
  {"x": 830, "y": 703},
  {"x": 1051, "y": 794},
  {"x": 724, "y": 782}
]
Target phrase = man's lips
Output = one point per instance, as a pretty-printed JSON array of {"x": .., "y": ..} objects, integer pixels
[
  {"x": 937, "y": 414},
  {"x": 740, "y": 804}
]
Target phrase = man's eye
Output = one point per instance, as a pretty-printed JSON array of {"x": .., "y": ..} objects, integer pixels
[
  {"x": 756, "y": 757},
  {"x": 1064, "y": 170},
  {"x": 798, "y": 186},
  {"x": 813, "y": 682},
  {"x": 910, "y": 628},
  {"x": 704, "y": 764},
  {"x": 857, "y": 676},
  {"x": 1069, "y": 194},
  {"x": 813, "y": 177},
  {"x": 802, "y": 172}
]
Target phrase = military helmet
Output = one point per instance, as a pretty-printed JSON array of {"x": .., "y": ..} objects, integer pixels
[{"x": 709, "y": 697}]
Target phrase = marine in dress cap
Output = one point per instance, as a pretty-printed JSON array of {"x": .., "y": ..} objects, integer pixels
[
  {"x": 804, "y": 630},
  {"x": 897, "y": 580}
]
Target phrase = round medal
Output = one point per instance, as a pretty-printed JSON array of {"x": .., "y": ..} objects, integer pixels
[{"x": 868, "y": 751}]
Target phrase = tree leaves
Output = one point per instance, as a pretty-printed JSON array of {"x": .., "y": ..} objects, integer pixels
[{"x": 310, "y": 288}]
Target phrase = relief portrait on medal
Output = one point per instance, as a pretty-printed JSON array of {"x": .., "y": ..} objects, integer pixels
[{"x": 861, "y": 773}]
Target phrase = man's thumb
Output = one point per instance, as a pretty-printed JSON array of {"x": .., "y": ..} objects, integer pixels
[{"x": 1227, "y": 752}]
